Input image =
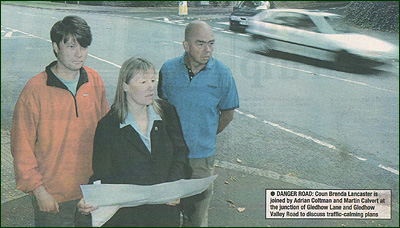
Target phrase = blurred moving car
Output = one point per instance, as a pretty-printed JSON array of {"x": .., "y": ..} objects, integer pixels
[
  {"x": 238, "y": 20},
  {"x": 317, "y": 35}
]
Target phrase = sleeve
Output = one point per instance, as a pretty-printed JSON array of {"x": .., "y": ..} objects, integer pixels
[
  {"x": 103, "y": 97},
  {"x": 23, "y": 143},
  {"x": 180, "y": 168},
  {"x": 104, "y": 103},
  {"x": 101, "y": 163},
  {"x": 229, "y": 96},
  {"x": 161, "y": 85}
]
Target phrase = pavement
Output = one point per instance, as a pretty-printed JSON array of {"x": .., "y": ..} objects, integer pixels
[
  {"x": 238, "y": 200},
  {"x": 239, "y": 191}
]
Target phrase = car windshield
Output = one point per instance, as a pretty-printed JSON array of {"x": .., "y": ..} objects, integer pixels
[
  {"x": 254, "y": 5},
  {"x": 338, "y": 25}
]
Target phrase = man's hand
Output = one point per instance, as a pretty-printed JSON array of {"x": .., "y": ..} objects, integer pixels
[
  {"x": 85, "y": 208},
  {"x": 47, "y": 203},
  {"x": 224, "y": 119}
]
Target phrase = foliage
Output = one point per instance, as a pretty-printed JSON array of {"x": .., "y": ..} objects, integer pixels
[{"x": 377, "y": 15}]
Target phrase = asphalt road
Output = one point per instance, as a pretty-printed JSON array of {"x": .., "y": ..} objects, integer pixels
[{"x": 297, "y": 117}]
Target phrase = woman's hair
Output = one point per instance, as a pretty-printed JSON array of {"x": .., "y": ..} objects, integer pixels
[
  {"x": 129, "y": 69},
  {"x": 71, "y": 26}
]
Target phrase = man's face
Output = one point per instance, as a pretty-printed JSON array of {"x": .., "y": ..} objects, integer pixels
[
  {"x": 71, "y": 55},
  {"x": 200, "y": 45}
]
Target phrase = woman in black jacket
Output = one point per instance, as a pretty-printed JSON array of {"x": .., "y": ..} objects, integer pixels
[{"x": 140, "y": 141}]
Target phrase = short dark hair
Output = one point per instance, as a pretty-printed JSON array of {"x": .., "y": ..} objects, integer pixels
[{"x": 71, "y": 26}]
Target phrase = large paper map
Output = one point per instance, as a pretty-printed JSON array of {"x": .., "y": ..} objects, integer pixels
[{"x": 110, "y": 197}]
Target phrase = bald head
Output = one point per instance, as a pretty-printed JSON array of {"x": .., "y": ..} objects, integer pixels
[{"x": 196, "y": 27}]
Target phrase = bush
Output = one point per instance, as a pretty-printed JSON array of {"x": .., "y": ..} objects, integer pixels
[{"x": 382, "y": 16}]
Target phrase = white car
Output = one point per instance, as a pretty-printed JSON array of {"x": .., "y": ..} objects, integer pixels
[{"x": 316, "y": 35}]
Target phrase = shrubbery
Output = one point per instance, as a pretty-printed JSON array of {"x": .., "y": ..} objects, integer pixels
[{"x": 378, "y": 15}]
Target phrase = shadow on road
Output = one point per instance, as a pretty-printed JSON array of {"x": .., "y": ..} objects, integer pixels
[{"x": 355, "y": 69}]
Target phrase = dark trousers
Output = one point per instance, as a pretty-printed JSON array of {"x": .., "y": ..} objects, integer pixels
[
  {"x": 160, "y": 215},
  {"x": 68, "y": 216}
]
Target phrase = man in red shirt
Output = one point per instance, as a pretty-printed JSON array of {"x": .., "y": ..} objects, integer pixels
[{"x": 53, "y": 126}]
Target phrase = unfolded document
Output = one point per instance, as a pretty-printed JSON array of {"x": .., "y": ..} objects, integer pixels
[{"x": 111, "y": 197}]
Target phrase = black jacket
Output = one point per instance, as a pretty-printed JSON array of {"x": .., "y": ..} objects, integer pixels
[{"x": 120, "y": 156}]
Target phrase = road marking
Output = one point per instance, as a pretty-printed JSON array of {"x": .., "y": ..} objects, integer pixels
[
  {"x": 301, "y": 135},
  {"x": 106, "y": 61},
  {"x": 290, "y": 131},
  {"x": 31, "y": 35},
  {"x": 248, "y": 115},
  {"x": 93, "y": 56},
  {"x": 392, "y": 170},
  {"x": 314, "y": 74},
  {"x": 251, "y": 116},
  {"x": 223, "y": 23},
  {"x": 322, "y": 143},
  {"x": 389, "y": 169},
  {"x": 359, "y": 158},
  {"x": 27, "y": 14},
  {"x": 9, "y": 34}
]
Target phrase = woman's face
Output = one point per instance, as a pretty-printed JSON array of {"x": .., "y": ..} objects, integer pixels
[{"x": 141, "y": 88}]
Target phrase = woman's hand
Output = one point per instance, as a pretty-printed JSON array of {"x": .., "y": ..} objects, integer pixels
[
  {"x": 85, "y": 208},
  {"x": 174, "y": 203}
]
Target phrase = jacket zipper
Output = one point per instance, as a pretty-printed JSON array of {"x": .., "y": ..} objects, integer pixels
[{"x": 76, "y": 104}]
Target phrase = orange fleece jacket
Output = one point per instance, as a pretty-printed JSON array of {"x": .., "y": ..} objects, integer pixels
[{"x": 52, "y": 133}]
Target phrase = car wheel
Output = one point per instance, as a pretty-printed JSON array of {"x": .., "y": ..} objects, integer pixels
[
  {"x": 343, "y": 60},
  {"x": 231, "y": 26},
  {"x": 262, "y": 45}
]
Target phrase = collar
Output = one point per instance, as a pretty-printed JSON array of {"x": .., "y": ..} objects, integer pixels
[
  {"x": 153, "y": 116},
  {"x": 52, "y": 79},
  {"x": 209, "y": 64}
]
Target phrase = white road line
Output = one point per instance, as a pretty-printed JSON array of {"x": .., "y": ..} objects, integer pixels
[
  {"x": 9, "y": 34},
  {"x": 248, "y": 115},
  {"x": 322, "y": 143},
  {"x": 166, "y": 20},
  {"x": 31, "y": 35},
  {"x": 251, "y": 116},
  {"x": 106, "y": 61},
  {"x": 223, "y": 23},
  {"x": 93, "y": 56},
  {"x": 290, "y": 131},
  {"x": 302, "y": 135},
  {"x": 359, "y": 158},
  {"x": 312, "y": 73},
  {"x": 27, "y": 14},
  {"x": 389, "y": 169}
]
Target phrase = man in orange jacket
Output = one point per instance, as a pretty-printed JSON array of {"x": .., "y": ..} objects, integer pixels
[{"x": 53, "y": 126}]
